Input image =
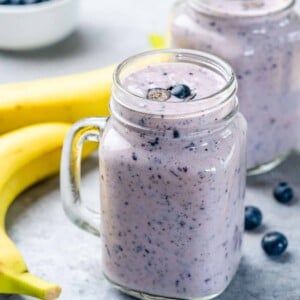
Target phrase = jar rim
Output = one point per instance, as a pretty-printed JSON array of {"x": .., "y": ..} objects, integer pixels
[
  {"x": 255, "y": 14},
  {"x": 211, "y": 101}
]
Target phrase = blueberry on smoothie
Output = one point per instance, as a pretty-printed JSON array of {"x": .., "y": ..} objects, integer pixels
[
  {"x": 283, "y": 193},
  {"x": 158, "y": 94},
  {"x": 181, "y": 91},
  {"x": 274, "y": 243},
  {"x": 253, "y": 217}
]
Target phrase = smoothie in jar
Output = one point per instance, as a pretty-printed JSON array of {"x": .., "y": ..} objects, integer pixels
[
  {"x": 172, "y": 164},
  {"x": 261, "y": 39}
]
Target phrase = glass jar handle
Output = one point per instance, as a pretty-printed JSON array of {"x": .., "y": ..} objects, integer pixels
[{"x": 89, "y": 129}]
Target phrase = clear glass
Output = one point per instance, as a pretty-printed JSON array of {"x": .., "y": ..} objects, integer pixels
[
  {"x": 173, "y": 218},
  {"x": 172, "y": 206},
  {"x": 262, "y": 43}
]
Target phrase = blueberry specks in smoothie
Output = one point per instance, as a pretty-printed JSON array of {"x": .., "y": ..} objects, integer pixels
[
  {"x": 107, "y": 250},
  {"x": 142, "y": 122},
  {"x": 176, "y": 134},
  {"x": 173, "y": 173},
  {"x": 154, "y": 142},
  {"x": 184, "y": 169},
  {"x": 158, "y": 94},
  {"x": 242, "y": 33},
  {"x": 134, "y": 156},
  {"x": 190, "y": 146},
  {"x": 274, "y": 66},
  {"x": 118, "y": 249},
  {"x": 182, "y": 223}
]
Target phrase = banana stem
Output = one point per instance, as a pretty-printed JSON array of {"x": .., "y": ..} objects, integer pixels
[{"x": 27, "y": 284}]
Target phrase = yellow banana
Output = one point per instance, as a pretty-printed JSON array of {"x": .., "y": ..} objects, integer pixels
[
  {"x": 63, "y": 99},
  {"x": 27, "y": 156},
  {"x": 157, "y": 41}
]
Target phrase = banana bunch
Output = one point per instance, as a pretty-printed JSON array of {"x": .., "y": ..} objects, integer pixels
[
  {"x": 27, "y": 156},
  {"x": 65, "y": 99},
  {"x": 30, "y": 152}
]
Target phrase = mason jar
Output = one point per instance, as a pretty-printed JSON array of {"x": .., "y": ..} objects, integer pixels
[
  {"x": 172, "y": 176},
  {"x": 261, "y": 40}
]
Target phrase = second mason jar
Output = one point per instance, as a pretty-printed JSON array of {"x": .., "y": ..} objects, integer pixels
[{"x": 261, "y": 39}]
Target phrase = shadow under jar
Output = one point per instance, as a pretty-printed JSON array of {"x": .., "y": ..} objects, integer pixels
[
  {"x": 261, "y": 40},
  {"x": 172, "y": 177}
]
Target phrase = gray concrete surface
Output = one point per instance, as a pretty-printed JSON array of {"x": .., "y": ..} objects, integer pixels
[{"x": 111, "y": 30}]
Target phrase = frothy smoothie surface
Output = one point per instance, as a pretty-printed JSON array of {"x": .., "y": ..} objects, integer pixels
[
  {"x": 174, "y": 82},
  {"x": 245, "y": 7}
]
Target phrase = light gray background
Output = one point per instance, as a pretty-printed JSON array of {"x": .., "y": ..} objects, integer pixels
[{"x": 54, "y": 249}]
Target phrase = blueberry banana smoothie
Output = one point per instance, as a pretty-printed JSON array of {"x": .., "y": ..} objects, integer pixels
[
  {"x": 172, "y": 168},
  {"x": 260, "y": 38}
]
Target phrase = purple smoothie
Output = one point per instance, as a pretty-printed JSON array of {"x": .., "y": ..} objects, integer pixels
[
  {"x": 172, "y": 185},
  {"x": 260, "y": 38}
]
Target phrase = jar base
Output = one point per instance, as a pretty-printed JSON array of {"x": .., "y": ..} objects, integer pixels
[
  {"x": 267, "y": 167},
  {"x": 145, "y": 296}
]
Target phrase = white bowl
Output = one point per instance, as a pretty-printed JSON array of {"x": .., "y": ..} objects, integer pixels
[{"x": 25, "y": 27}]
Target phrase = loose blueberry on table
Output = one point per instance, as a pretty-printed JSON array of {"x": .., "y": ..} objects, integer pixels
[
  {"x": 274, "y": 243},
  {"x": 283, "y": 193},
  {"x": 253, "y": 217}
]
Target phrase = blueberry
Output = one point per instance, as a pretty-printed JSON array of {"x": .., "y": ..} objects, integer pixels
[
  {"x": 158, "y": 94},
  {"x": 30, "y": 1},
  {"x": 181, "y": 91},
  {"x": 253, "y": 217},
  {"x": 274, "y": 243},
  {"x": 15, "y": 2},
  {"x": 21, "y": 2},
  {"x": 283, "y": 193}
]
